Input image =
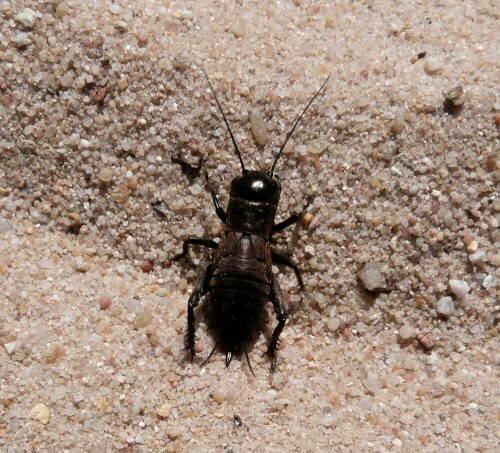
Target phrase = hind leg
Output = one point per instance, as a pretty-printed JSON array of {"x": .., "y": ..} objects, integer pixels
[
  {"x": 277, "y": 301},
  {"x": 199, "y": 290}
]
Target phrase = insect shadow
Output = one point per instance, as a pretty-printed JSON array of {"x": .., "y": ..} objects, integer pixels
[{"x": 239, "y": 281}]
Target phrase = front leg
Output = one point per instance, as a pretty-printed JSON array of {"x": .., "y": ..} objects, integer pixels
[
  {"x": 199, "y": 290},
  {"x": 294, "y": 218},
  {"x": 277, "y": 301},
  {"x": 193, "y": 240}
]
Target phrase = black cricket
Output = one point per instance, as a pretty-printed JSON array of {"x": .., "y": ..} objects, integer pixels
[{"x": 239, "y": 280}]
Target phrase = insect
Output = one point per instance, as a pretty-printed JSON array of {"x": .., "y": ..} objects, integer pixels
[{"x": 239, "y": 281}]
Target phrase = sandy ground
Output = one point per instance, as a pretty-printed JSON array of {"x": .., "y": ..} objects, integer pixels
[{"x": 106, "y": 121}]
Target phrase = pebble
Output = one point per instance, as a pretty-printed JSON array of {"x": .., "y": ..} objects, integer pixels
[
  {"x": 239, "y": 28},
  {"x": 317, "y": 146},
  {"x": 9, "y": 347},
  {"x": 105, "y": 303},
  {"x": 5, "y": 226},
  {"x": 372, "y": 384},
  {"x": 27, "y": 18},
  {"x": 445, "y": 306},
  {"x": 105, "y": 175},
  {"x": 333, "y": 324},
  {"x": 174, "y": 432},
  {"x": 459, "y": 288},
  {"x": 142, "y": 35},
  {"x": 371, "y": 276},
  {"x": 259, "y": 129},
  {"x": 66, "y": 80},
  {"x": 123, "y": 84},
  {"x": 472, "y": 247},
  {"x": 433, "y": 65},
  {"x": 487, "y": 282},
  {"x": 41, "y": 413},
  {"x": 21, "y": 40},
  {"x": 477, "y": 257},
  {"x": 406, "y": 332},
  {"x": 427, "y": 341},
  {"x": 164, "y": 410},
  {"x": 142, "y": 320},
  {"x": 398, "y": 125}
]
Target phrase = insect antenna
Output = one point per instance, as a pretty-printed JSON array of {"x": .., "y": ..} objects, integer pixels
[
  {"x": 248, "y": 359},
  {"x": 296, "y": 124},
  {"x": 243, "y": 169},
  {"x": 217, "y": 343}
]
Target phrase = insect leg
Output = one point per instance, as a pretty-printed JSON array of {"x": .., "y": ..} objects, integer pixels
[
  {"x": 215, "y": 198},
  {"x": 277, "y": 301},
  {"x": 199, "y": 290},
  {"x": 193, "y": 240},
  {"x": 280, "y": 259},
  {"x": 294, "y": 218}
]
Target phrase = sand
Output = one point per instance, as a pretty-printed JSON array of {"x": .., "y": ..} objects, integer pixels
[{"x": 107, "y": 126}]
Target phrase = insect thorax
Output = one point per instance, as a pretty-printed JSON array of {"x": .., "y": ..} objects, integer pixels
[{"x": 250, "y": 216}]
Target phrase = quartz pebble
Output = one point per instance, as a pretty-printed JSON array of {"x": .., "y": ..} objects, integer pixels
[
  {"x": 105, "y": 175},
  {"x": 371, "y": 276},
  {"x": 433, "y": 65},
  {"x": 406, "y": 332},
  {"x": 41, "y": 413},
  {"x": 164, "y": 410},
  {"x": 445, "y": 306},
  {"x": 259, "y": 129},
  {"x": 26, "y": 18},
  {"x": 333, "y": 324},
  {"x": 5, "y": 226},
  {"x": 459, "y": 288}
]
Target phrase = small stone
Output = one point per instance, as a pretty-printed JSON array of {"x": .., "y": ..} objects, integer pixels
[
  {"x": 5, "y": 226},
  {"x": 114, "y": 8},
  {"x": 122, "y": 83},
  {"x": 239, "y": 28},
  {"x": 259, "y": 129},
  {"x": 495, "y": 259},
  {"x": 21, "y": 40},
  {"x": 27, "y": 18},
  {"x": 9, "y": 347},
  {"x": 497, "y": 119},
  {"x": 472, "y": 247},
  {"x": 372, "y": 384},
  {"x": 445, "y": 306},
  {"x": 433, "y": 65},
  {"x": 142, "y": 320},
  {"x": 459, "y": 288},
  {"x": 317, "y": 146},
  {"x": 220, "y": 394},
  {"x": 147, "y": 266},
  {"x": 142, "y": 35},
  {"x": 105, "y": 175},
  {"x": 306, "y": 219},
  {"x": 174, "y": 432},
  {"x": 139, "y": 440},
  {"x": 62, "y": 9},
  {"x": 105, "y": 303},
  {"x": 41, "y": 413},
  {"x": 371, "y": 276},
  {"x": 398, "y": 125},
  {"x": 75, "y": 220},
  {"x": 454, "y": 99},
  {"x": 164, "y": 410},
  {"x": 487, "y": 282},
  {"x": 84, "y": 144},
  {"x": 406, "y": 332},
  {"x": 333, "y": 324},
  {"x": 477, "y": 257},
  {"x": 66, "y": 80},
  {"x": 426, "y": 339}
]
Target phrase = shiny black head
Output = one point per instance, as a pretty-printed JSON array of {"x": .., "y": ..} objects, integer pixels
[{"x": 256, "y": 186}]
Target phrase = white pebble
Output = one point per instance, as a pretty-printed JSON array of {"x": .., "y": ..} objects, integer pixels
[
  {"x": 333, "y": 324},
  {"x": 477, "y": 257},
  {"x": 445, "y": 306},
  {"x": 150, "y": 169},
  {"x": 84, "y": 144},
  {"x": 433, "y": 65},
  {"x": 459, "y": 288},
  {"x": 41, "y": 413},
  {"x": 371, "y": 276},
  {"x": 26, "y": 18},
  {"x": 9, "y": 347},
  {"x": 406, "y": 332},
  {"x": 21, "y": 40},
  {"x": 487, "y": 282}
]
